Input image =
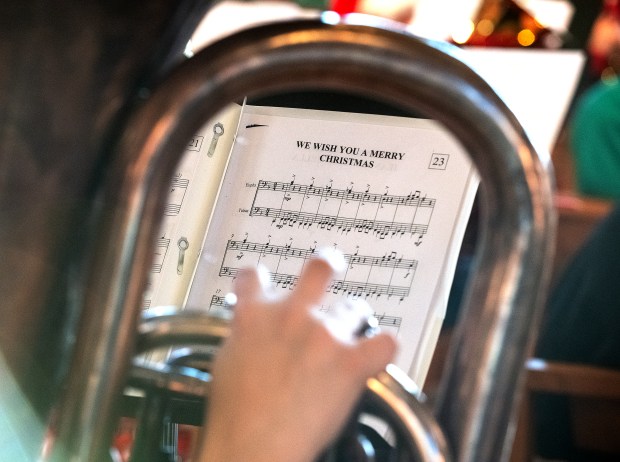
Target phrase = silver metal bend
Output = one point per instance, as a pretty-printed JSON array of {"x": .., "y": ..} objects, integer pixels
[
  {"x": 501, "y": 314},
  {"x": 168, "y": 327},
  {"x": 394, "y": 397}
]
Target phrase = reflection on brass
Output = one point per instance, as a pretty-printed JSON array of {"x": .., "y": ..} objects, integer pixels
[{"x": 80, "y": 243}]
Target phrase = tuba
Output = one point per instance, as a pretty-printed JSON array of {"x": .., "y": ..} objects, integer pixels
[{"x": 98, "y": 105}]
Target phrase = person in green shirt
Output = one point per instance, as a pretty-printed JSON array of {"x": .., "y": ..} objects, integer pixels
[{"x": 595, "y": 141}]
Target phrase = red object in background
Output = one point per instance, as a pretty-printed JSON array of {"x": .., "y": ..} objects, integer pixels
[
  {"x": 604, "y": 42},
  {"x": 504, "y": 20},
  {"x": 124, "y": 438},
  {"x": 343, "y": 6},
  {"x": 612, "y": 7},
  {"x": 185, "y": 442}
]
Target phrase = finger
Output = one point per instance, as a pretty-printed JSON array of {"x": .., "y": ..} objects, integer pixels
[
  {"x": 375, "y": 353},
  {"x": 316, "y": 277},
  {"x": 251, "y": 283},
  {"x": 349, "y": 320}
]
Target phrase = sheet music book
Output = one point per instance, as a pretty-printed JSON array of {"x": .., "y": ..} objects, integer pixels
[{"x": 270, "y": 186}]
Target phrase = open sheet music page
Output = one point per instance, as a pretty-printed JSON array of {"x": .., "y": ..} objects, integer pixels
[
  {"x": 392, "y": 194},
  {"x": 193, "y": 190}
]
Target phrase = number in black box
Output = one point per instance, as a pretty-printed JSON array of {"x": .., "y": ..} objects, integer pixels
[{"x": 439, "y": 161}]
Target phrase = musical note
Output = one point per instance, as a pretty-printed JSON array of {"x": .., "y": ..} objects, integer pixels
[
  {"x": 388, "y": 321},
  {"x": 375, "y": 227},
  {"x": 376, "y": 224},
  {"x": 280, "y": 202},
  {"x": 410, "y": 200},
  {"x": 366, "y": 288}
]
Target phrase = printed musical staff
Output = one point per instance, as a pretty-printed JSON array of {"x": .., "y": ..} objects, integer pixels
[
  {"x": 410, "y": 200},
  {"x": 380, "y": 278},
  {"x": 391, "y": 260},
  {"x": 161, "y": 249},
  {"x": 382, "y": 319},
  {"x": 344, "y": 225},
  {"x": 148, "y": 293},
  {"x": 284, "y": 198},
  {"x": 388, "y": 321},
  {"x": 367, "y": 289},
  {"x": 217, "y": 300},
  {"x": 220, "y": 301},
  {"x": 343, "y": 210},
  {"x": 176, "y": 195}
]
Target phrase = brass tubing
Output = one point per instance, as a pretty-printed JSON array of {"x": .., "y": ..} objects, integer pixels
[
  {"x": 70, "y": 72},
  {"x": 175, "y": 327},
  {"x": 183, "y": 381},
  {"x": 391, "y": 396},
  {"x": 501, "y": 314}
]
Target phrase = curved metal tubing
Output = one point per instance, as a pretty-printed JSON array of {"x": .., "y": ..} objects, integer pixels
[
  {"x": 70, "y": 73},
  {"x": 198, "y": 356},
  {"x": 391, "y": 396},
  {"x": 169, "y": 326},
  {"x": 174, "y": 380},
  {"x": 499, "y": 320}
]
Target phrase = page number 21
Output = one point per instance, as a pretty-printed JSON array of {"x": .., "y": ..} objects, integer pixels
[{"x": 439, "y": 161}]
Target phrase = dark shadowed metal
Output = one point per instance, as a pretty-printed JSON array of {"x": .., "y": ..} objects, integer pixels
[{"x": 70, "y": 72}]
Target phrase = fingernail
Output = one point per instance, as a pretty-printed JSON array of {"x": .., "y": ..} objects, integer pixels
[
  {"x": 264, "y": 278},
  {"x": 335, "y": 258}
]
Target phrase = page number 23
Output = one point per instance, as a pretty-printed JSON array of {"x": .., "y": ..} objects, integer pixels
[{"x": 439, "y": 161}]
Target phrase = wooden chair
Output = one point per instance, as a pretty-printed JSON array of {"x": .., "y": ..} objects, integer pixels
[
  {"x": 577, "y": 218},
  {"x": 594, "y": 400}
]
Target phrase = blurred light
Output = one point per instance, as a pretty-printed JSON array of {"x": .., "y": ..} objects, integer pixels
[
  {"x": 398, "y": 10},
  {"x": 230, "y": 299},
  {"x": 462, "y": 33},
  {"x": 330, "y": 17},
  {"x": 485, "y": 27},
  {"x": 526, "y": 37},
  {"x": 189, "y": 49},
  {"x": 552, "y": 41},
  {"x": 439, "y": 19},
  {"x": 553, "y": 14}
]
